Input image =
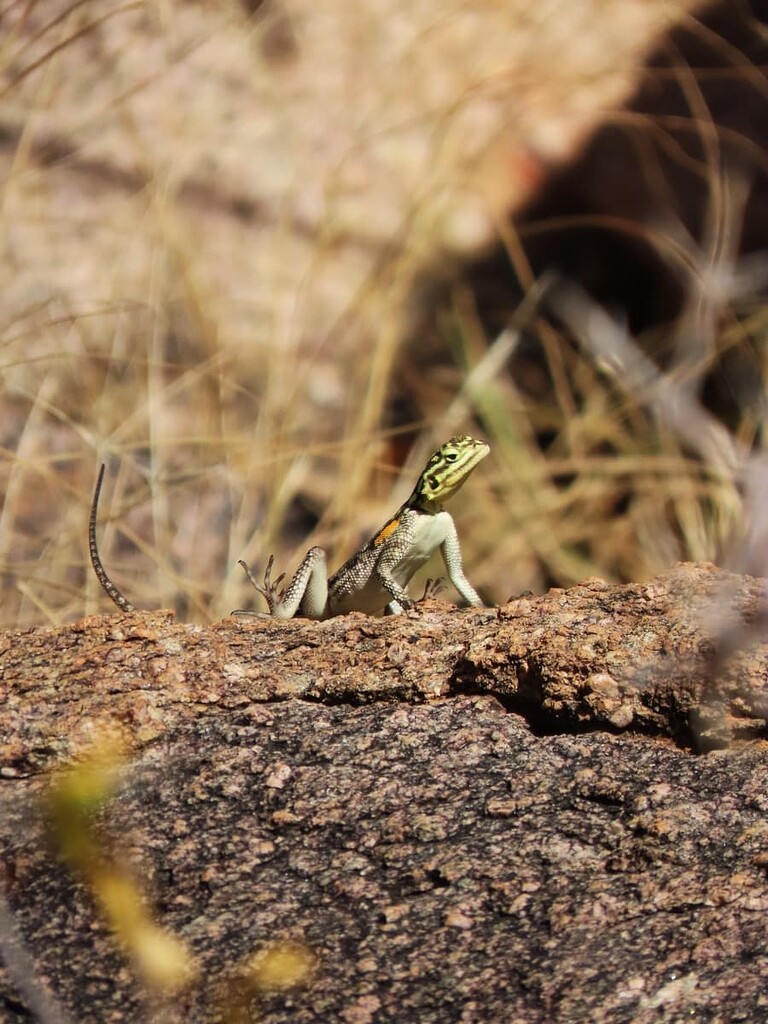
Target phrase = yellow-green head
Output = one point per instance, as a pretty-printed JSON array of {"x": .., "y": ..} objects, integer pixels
[{"x": 447, "y": 470}]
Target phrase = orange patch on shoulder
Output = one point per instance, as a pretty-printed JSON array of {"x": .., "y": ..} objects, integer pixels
[{"x": 388, "y": 530}]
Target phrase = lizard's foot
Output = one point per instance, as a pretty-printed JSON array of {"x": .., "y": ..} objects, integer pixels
[
  {"x": 269, "y": 589},
  {"x": 404, "y": 604},
  {"x": 432, "y": 588}
]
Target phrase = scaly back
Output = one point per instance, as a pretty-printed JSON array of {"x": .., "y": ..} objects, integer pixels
[{"x": 446, "y": 471}]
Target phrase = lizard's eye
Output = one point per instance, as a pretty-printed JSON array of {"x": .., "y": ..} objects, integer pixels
[{"x": 451, "y": 456}]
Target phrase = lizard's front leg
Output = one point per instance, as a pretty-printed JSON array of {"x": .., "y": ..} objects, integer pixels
[
  {"x": 396, "y": 546},
  {"x": 450, "y": 549}
]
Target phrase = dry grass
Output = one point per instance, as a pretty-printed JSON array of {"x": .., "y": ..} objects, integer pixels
[{"x": 213, "y": 224}]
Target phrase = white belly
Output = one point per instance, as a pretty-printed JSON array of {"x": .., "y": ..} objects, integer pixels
[{"x": 431, "y": 531}]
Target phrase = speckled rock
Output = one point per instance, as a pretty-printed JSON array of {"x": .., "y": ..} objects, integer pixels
[
  {"x": 674, "y": 656},
  {"x": 443, "y": 856}
]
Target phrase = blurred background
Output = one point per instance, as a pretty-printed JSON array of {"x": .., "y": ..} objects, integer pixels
[{"x": 261, "y": 258}]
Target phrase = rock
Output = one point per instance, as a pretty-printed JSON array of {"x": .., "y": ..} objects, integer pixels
[{"x": 478, "y": 816}]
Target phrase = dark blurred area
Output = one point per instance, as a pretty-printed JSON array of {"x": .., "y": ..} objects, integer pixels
[{"x": 654, "y": 181}]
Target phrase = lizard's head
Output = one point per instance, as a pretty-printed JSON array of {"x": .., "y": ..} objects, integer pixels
[{"x": 448, "y": 468}]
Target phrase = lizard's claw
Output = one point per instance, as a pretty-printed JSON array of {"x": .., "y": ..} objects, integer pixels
[
  {"x": 269, "y": 589},
  {"x": 432, "y": 588}
]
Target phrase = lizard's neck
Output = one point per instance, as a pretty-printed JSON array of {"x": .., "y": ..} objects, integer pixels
[{"x": 419, "y": 503}]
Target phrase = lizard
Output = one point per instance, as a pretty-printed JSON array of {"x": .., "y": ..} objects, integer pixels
[{"x": 375, "y": 577}]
